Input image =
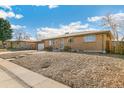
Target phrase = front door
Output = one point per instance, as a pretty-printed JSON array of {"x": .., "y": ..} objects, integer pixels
[{"x": 62, "y": 44}]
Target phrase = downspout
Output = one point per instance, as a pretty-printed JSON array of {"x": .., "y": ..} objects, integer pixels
[
  {"x": 102, "y": 43},
  {"x": 103, "y": 48}
]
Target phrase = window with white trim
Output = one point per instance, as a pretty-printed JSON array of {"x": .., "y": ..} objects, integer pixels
[{"x": 90, "y": 38}]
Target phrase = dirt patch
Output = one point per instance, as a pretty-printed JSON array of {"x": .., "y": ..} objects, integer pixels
[{"x": 77, "y": 70}]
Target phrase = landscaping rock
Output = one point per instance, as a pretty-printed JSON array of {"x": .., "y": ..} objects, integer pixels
[
  {"x": 77, "y": 70},
  {"x": 45, "y": 64}
]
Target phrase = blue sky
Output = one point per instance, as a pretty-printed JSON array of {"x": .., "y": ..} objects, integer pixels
[{"x": 34, "y": 18}]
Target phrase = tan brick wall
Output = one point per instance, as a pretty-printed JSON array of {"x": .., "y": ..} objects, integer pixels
[
  {"x": 21, "y": 45},
  {"x": 46, "y": 43},
  {"x": 78, "y": 43}
]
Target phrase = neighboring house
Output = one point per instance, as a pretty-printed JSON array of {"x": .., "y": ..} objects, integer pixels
[
  {"x": 23, "y": 44},
  {"x": 87, "y": 41}
]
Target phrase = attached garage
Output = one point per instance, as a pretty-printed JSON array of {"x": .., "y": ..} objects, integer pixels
[{"x": 40, "y": 45}]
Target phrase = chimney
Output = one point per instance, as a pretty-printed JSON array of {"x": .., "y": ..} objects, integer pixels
[{"x": 67, "y": 33}]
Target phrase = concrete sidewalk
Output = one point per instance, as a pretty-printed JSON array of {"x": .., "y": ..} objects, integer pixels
[
  {"x": 9, "y": 81},
  {"x": 27, "y": 77}
]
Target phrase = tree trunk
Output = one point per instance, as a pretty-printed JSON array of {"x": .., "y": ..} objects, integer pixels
[{"x": 2, "y": 44}]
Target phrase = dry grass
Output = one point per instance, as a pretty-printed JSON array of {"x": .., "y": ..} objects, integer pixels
[{"x": 77, "y": 70}]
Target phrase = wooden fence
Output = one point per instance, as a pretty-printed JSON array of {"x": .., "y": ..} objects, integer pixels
[{"x": 117, "y": 47}]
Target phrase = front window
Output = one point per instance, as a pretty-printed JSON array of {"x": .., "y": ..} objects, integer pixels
[
  {"x": 70, "y": 40},
  {"x": 51, "y": 42},
  {"x": 90, "y": 38}
]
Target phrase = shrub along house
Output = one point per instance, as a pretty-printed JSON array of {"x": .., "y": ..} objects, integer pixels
[{"x": 87, "y": 41}]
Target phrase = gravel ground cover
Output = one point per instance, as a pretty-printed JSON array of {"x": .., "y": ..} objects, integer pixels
[
  {"x": 15, "y": 54},
  {"x": 77, "y": 70}
]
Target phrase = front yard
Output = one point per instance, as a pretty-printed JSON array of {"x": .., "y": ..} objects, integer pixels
[{"x": 73, "y": 69}]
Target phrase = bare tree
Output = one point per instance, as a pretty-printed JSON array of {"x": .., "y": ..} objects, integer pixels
[
  {"x": 114, "y": 24},
  {"x": 107, "y": 21},
  {"x": 21, "y": 35}
]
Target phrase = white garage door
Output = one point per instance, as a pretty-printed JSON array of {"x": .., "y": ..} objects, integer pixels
[{"x": 40, "y": 46}]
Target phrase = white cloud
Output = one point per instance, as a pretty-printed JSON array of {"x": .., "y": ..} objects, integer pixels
[
  {"x": 95, "y": 18},
  {"x": 74, "y": 26},
  {"x": 32, "y": 38},
  {"x": 18, "y": 16},
  {"x": 52, "y": 6},
  {"x": 6, "y": 7},
  {"x": 117, "y": 16},
  {"x": 9, "y": 14},
  {"x": 49, "y": 6},
  {"x": 17, "y": 27},
  {"x": 45, "y": 32},
  {"x": 3, "y": 14}
]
